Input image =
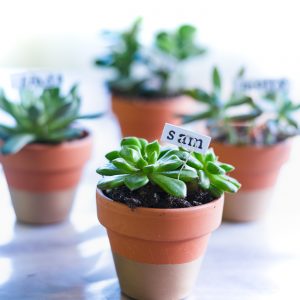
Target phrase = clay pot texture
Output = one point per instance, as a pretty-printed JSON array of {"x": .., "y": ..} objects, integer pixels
[
  {"x": 42, "y": 179},
  {"x": 146, "y": 118},
  {"x": 158, "y": 252},
  {"x": 257, "y": 169}
]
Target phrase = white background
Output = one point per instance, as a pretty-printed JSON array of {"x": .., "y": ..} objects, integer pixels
[{"x": 63, "y": 34}]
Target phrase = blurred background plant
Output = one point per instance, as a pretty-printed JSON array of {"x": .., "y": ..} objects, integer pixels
[
  {"x": 153, "y": 71},
  {"x": 243, "y": 119},
  {"x": 41, "y": 116},
  {"x": 124, "y": 52}
]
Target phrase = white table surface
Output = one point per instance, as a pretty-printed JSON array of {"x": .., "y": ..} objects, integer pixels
[{"x": 251, "y": 261}]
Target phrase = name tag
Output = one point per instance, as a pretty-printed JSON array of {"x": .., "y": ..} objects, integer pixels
[
  {"x": 187, "y": 139},
  {"x": 267, "y": 85},
  {"x": 36, "y": 80}
]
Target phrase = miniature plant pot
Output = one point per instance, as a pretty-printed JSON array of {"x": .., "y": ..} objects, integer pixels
[
  {"x": 257, "y": 169},
  {"x": 157, "y": 252},
  {"x": 42, "y": 179},
  {"x": 147, "y": 117}
]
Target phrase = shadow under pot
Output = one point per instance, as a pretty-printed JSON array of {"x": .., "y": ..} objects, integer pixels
[
  {"x": 158, "y": 252},
  {"x": 42, "y": 179},
  {"x": 257, "y": 169},
  {"x": 146, "y": 117}
]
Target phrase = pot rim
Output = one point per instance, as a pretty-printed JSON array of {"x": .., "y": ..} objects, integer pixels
[
  {"x": 65, "y": 144},
  {"x": 155, "y": 211},
  {"x": 159, "y": 99}
]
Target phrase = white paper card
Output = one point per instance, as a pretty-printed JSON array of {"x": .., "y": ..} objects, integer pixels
[
  {"x": 266, "y": 85},
  {"x": 185, "y": 138},
  {"x": 36, "y": 80}
]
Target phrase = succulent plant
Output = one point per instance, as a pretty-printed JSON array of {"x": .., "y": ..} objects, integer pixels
[
  {"x": 138, "y": 162},
  {"x": 176, "y": 47},
  {"x": 124, "y": 52},
  {"x": 44, "y": 116},
  {"x": 155, "y": 64},
  {"x": 283, "y": 109},
  {"x": 280, "y": 121},
  {"x": 180, "y": 44},
  {"x": 242, "y": 119},
  {"x": 219, "y": 109}
]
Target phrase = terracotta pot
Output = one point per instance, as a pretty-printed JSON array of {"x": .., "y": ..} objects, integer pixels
[
  {"x": 42, "y": 179},
  {"x": 146, "y": 117},
  {"x": 257, "y": 169},
  {"x": 157, "y": 252}
]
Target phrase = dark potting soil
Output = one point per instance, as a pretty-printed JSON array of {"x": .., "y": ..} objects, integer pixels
[
  {"x": 153, "y": 196},
  {"x": 144, "y": 95}
]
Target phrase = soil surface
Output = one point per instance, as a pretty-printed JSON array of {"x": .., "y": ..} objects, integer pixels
[
  {"x": 153, "y": 196},
  {"x": 144, "y": 96}
]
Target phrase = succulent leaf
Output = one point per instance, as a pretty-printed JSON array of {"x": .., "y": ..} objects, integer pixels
[
  {"x": 107, "y": 183},
  {"x": 112, "y": 155},
  {"x": 16, "y": 143},
  {"x": 174, "y": 187},
  {"x": 216, "y": 78},
  {"x": 204, "y": 181},
  {"x": 136, "y": 181},
  {"x": 110, "y": 170},
  {"x": 131, "y": 141},
  {"x": 213, "y": 168},
  {"x": 186, "y": 175},
  {"x": 227, "y": 167},
  {"x": 130, "y": 154},
  {"x": 122, "y": 164}
]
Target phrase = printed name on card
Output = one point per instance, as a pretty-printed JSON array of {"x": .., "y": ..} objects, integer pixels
[
  {"x": 267, "y": 85},
  {"x": 187, "y": 139},
  {"x": 36, "y": 80}
]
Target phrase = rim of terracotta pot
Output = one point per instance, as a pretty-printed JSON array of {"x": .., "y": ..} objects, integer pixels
[
  {"x": 43, "y": 147},
  {"x": 143, "y": 99},
  {"x": 65, "y": 144},
  {"x": 154, "y": 211},
  {"x": 171, "y": 213}
]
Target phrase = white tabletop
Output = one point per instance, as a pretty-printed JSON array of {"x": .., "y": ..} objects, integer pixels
[{"x": 251, "y": 261}]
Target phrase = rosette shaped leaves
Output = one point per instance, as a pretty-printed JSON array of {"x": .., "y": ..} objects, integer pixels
[
  {"x": 138, "y": 162},
  {"x": 45, "y": 116},
  {"x": 211, "y": 174}
]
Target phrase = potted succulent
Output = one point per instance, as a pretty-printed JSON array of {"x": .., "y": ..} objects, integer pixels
[
  {"x": 44, "y": 152},
  {"x": 253, "y": 133},
  {"x": 147, "y": 83},
  {"x": 159, "y": 207}
]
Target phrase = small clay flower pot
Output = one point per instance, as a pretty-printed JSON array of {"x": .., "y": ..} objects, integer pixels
[
  {"x": 146, "y": 118},
  {"x": 42, "y": 179},
  {"x": 257, "y": 169},
  {"x": 158, "y": 252}
]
